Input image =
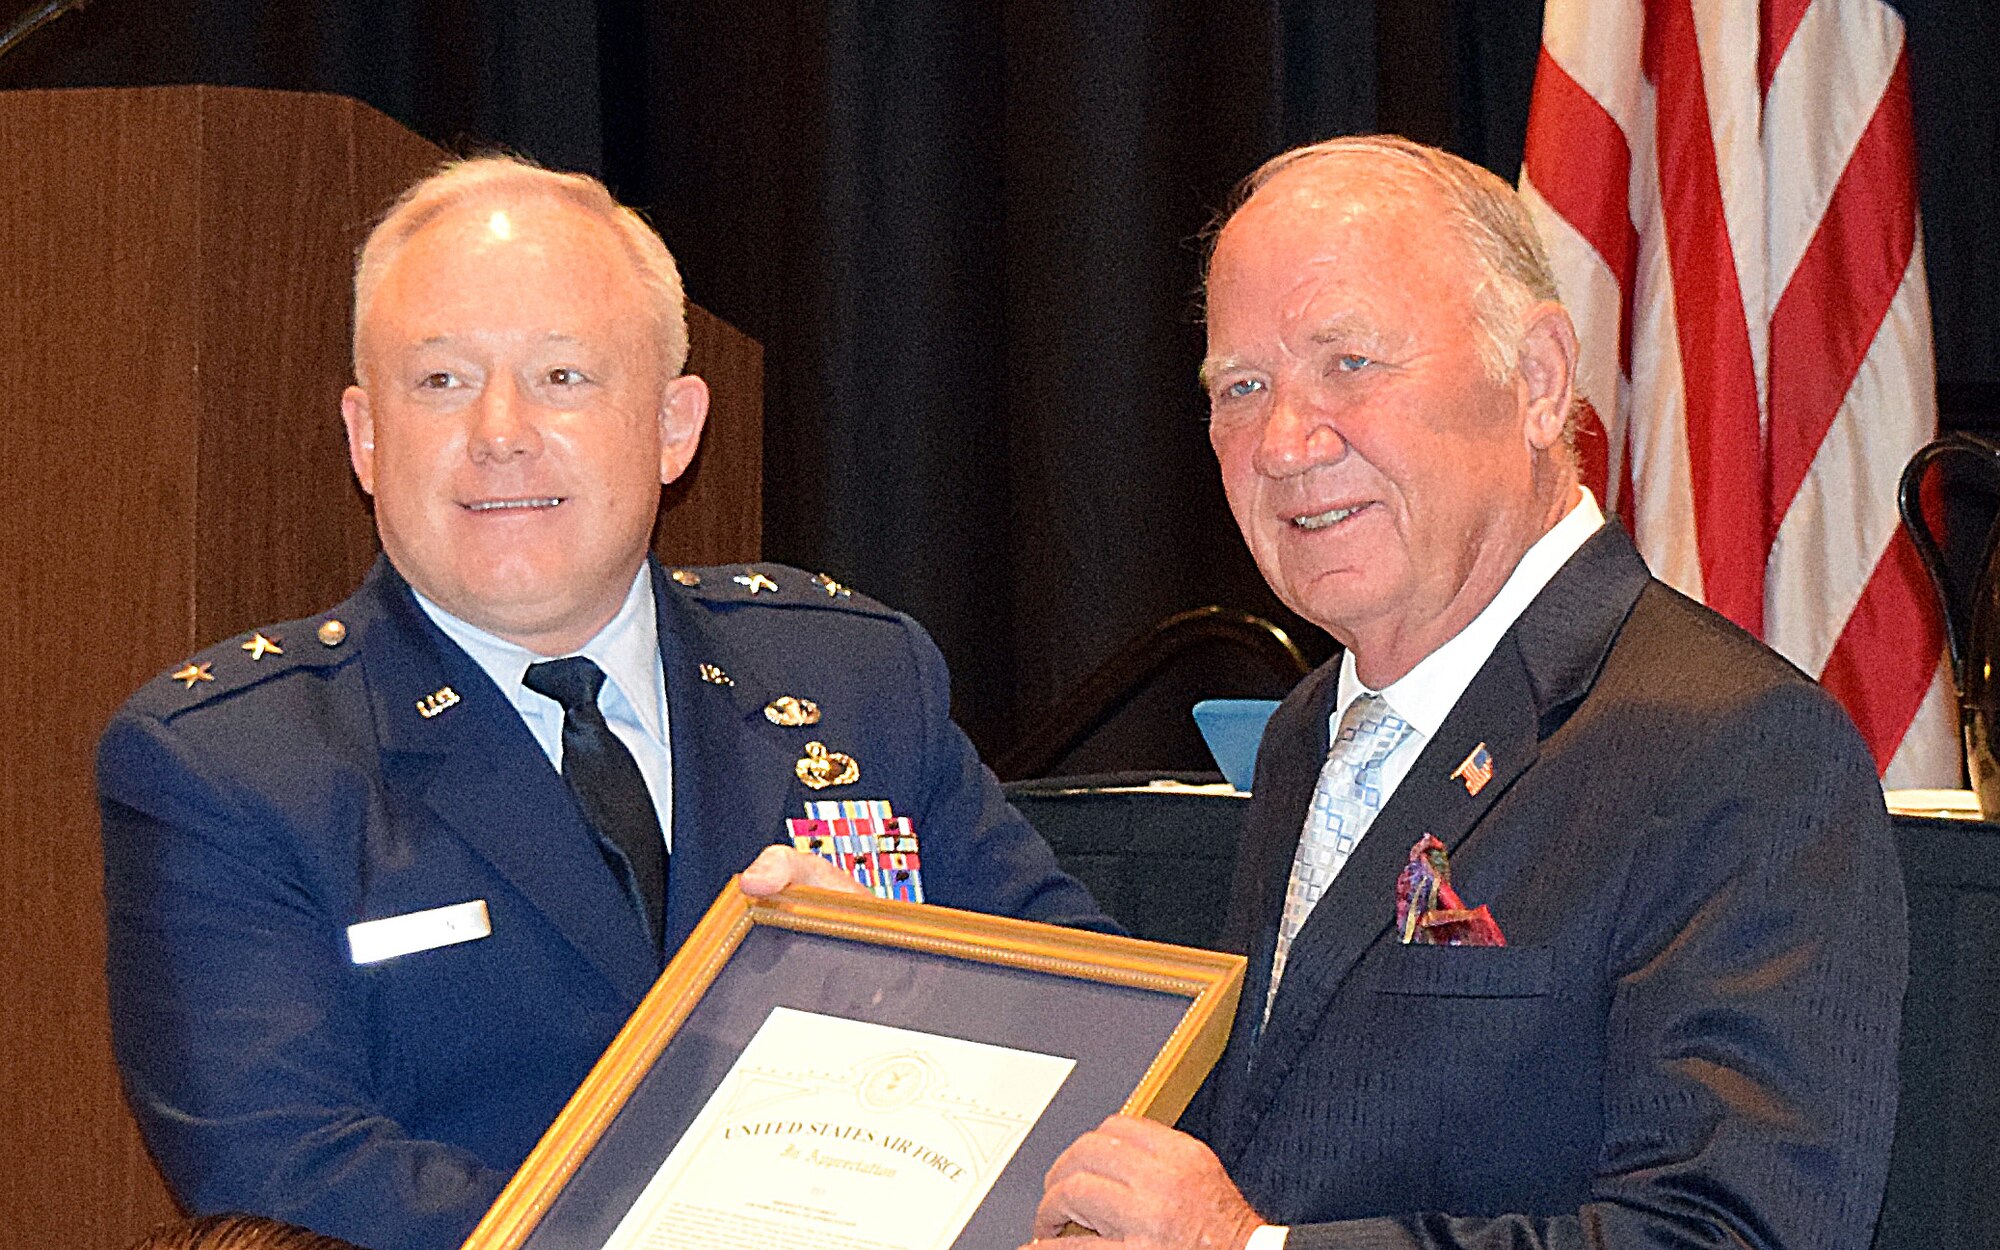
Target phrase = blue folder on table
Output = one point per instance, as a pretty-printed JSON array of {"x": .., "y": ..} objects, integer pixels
[{"x": 1232, "y": 728}]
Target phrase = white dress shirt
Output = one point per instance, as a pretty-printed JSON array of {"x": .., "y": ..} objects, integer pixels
[
  {"x": 1426, "y": 694},
  {"x": 634, "y": 698}
]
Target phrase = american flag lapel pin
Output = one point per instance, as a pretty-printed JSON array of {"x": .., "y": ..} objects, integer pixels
[{"x": 1476, "y": 770}]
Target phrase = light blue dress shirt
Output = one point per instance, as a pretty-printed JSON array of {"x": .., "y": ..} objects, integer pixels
[{"x": 634, "y": 698}]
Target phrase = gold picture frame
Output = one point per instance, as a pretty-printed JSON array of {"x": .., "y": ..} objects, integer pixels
[{"x": 1146, "y": 982}]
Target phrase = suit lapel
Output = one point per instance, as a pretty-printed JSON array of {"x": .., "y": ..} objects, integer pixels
[
  {"x": 1359, "y": 907},
  {"x": 733, "y": 770},
  {"x": 1288, "y": 763},
  {"x": 1537, "y": 673},
  {"x": 478, "y": 770}
]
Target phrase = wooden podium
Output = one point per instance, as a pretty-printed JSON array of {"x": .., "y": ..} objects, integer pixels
[{"x": 174, "y": 305}]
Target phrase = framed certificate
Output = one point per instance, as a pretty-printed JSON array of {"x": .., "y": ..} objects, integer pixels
[{"x": 837, "y": 1072}]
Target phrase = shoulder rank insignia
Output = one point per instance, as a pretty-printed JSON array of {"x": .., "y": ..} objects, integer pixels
[
  {"x": 755, "y": 581},
  {"x": 791, "y": 711},
  {"x": 833, "y": 589},
  {"x": 715, "y": 676},
  {"x": 261, "y": 645},
  {"x": 332, "y": 633},
  {"x": 437, "y": 701},
  {"x": 686, "y": 577},
  {"x": 820, "y": 768},
  {"x": 192, "y": 673}
]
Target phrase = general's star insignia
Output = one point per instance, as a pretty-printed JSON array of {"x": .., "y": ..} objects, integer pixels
[
  {"x": 755, "y": 581},
  {"x": 686, "y": 577},
  {"x": 715, "y": 676},
  {"x": 791, "y": 711},
  {"x": 192, "y": 674},
  {"x": 821, "y": 768},
  {"x": 832, "y": 588},
  {"x": 260, "y": 646}
]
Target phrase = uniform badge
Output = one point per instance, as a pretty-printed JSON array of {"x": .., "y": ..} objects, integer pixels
[
  {"x": 715, "y": 676},
  {"x": 820, "y": 768},
  {"x": 191, "y": 674},
  {"x": 833, "y": 589},
  {"x": 437, "y": 701},
  {"x": 1476, "y": 770},
  {"x": 332, "y": 633},
  {"x": 755, "y": 581},
  {"x": 791, "y": 711},
  {"x": 867, "y": 841},
  {"x": 261, "y": 645},
  {"x": 686, "y": 577}
]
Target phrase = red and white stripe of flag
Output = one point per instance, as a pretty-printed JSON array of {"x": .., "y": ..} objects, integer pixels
[{"x": 1727, "y": 190}]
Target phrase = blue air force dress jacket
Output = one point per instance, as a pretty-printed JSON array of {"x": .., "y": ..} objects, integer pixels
[{"x": 250, "y": 818}]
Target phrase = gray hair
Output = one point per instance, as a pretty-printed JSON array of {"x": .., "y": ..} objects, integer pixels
[
  {"x": 1513, "y": 269},
  {"x": 511, "y": 180}
]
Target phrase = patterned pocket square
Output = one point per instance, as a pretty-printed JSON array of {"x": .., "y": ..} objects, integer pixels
[{"x": 1429, "y": 912}]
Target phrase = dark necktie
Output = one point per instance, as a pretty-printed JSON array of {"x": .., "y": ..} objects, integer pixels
[{"x": 607, "y": 783}]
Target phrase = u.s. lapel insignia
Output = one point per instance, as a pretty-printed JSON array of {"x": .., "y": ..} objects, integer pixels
[
  {"x": 821, "y": 768},
  {"x": 791, "y": 711},
  {"x": 191, "y": 674},
  {"x": 437, "y": 701},
  {"x": 755, "y": 581},
  {"x": 833, "y": 589},
  {"x": 686, "y": 577},
  {"x": 1476, "y": 770},
  {"x": 261, "y": 645},
  {"x": 714, "y": 676}
]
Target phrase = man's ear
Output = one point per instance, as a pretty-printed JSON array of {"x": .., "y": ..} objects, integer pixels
[
  {"x": 1548, "y": 373},
  {"x": 359, "y": 418},
  {"x": 683, "y": 411}
]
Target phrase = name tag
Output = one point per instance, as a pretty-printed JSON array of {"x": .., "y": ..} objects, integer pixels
[{"x": 373, "y": 941}]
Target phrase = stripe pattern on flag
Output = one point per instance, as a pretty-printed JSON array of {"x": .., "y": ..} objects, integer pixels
[{"x": 1728, "y": 194}]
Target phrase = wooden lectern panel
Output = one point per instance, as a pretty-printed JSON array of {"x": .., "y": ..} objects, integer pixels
[{"x": 174, "y": 304}]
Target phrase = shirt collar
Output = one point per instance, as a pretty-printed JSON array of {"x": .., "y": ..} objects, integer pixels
[
  {"x": 1425, "y": 695},
  {"x": 627, "y": 649}
]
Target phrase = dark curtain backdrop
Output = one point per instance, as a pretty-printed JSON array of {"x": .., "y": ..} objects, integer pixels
[{"x": 967, "y": 232}]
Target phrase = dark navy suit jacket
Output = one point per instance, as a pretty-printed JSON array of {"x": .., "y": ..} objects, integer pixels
[
  {"x": 1690, "y": 1036},
  {"x": 249, "y": 820}
]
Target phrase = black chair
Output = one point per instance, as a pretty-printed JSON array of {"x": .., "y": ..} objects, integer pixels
[{"x": 1261, "y": 659}]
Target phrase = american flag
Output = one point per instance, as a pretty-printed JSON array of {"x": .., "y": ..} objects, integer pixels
[
  {"x": 1476, "y": 770},
  {"x": 1727, "y": 189}
]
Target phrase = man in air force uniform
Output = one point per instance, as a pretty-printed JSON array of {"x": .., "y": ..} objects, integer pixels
[{"x": 382, "y": 883}]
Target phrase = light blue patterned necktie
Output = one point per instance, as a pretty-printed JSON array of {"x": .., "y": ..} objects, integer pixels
[{"x": 1344, "y": 804}]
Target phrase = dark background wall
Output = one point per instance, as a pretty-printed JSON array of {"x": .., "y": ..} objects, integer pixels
[{"x": 967, "y": 232}]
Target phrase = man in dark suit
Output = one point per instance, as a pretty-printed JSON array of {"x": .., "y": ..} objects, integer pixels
[
  {"x": 1689, "y": 1034},
  {"x": 383, "y": 883}
]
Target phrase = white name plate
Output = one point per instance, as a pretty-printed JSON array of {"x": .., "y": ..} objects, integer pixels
[{"x": 373, "y": 941}]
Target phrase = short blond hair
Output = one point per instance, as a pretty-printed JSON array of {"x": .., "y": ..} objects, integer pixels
[{"x": 498, "y": 180}]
